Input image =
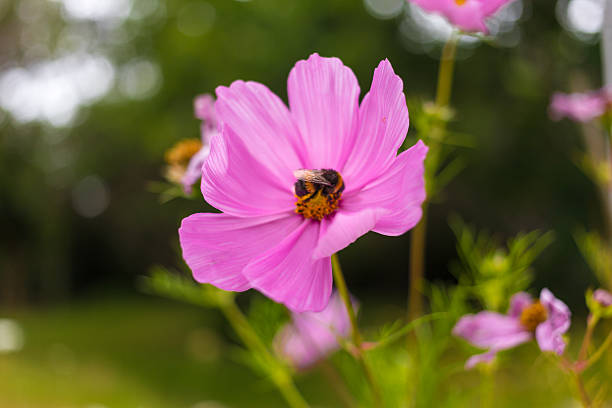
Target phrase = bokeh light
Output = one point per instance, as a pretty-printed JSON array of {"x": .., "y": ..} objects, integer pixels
[
  {"x": 90, "y": 196},
  {"x": 11, "y": 336},
  {"x": 582, "y": 18},
  {"x": 54, "y": 90}
]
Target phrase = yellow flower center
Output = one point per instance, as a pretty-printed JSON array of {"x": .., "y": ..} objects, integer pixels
[
  {"x": 533, "y": 315},
  {"x": 460, "y": 2},
  {"x": 182, "y": 152},
  {"x": 318, "y": 192}
]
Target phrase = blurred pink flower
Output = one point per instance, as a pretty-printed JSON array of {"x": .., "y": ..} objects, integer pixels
[
  {"x": 603, "y": 297},
  {"x": 297, "y": 185},
  {"x": 312, "y": 336},
  {"x": 547, "y": 319},
  {"x": 204, "y": 107},
  {"x": 581, "y": 107},
  {"x": 467, "y": 15}
]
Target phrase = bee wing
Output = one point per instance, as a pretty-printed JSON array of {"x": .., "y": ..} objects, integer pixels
[{"x": 312, "y": 176}]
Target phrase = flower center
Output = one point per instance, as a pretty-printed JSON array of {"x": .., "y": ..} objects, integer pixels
[
  {"x": 318, "y": 192},
  {"x": 533, "y": 315},
  {"x": 460, "y": 2},
  {"x": 182, "y": 152}
]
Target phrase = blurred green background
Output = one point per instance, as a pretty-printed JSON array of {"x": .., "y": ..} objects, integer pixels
[{"x": 93, "y": 92}]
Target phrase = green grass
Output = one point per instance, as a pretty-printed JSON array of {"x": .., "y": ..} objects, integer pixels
[
  {"x": 128, "y": 352},
  {"x": 148, "y": 352}
]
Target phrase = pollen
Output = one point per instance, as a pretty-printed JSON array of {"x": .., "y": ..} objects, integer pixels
[
  {"x": 533, "y": 315},
  {"x": 318, "y": 192},
  {"x": 182, "y": 152},
  {"x": 460, "y": 2}
]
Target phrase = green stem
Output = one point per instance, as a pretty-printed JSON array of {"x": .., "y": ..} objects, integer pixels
[
  {"x": 418, "y": 236},
  {"x": 584, "y": 348},
  {"x": 279, "y": 375},
  {"x": 406, "y": 329},
  {"x": 600, "y": 351},
  {"x": 445, "y": 73},
  {"x": 356, "y": 335},
  {"x": 570, "y": 367},
  {"x": 584, "y": 397},
  {"x": 338, "y": 384}
]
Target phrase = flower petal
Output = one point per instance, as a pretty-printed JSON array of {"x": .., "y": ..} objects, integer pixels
[
  {"x": 490, "y": 7},
  {"x": 324, "y": 98},
  {"x": 236, "y": 183},
  {"x": 383, "y": 124},
  {"x": 217, "y": 247},
  {"x": 480, "y": 358},
  {"x": 263, "y": 123},
  {"x": 298, "y": 350},
  {"x": 194, "y": 168},
  {"x": 313, "y": 335},
  {"x": 518, "y": 302},
  {"x": 343, "y": 229},
  {"x": 468, "y": 16},
  {"x": 491, "y": 330},
  {"x": 400, "y": 191},
  {"x": 288, "y": 274},
  {"x": 549, "y": 334}
]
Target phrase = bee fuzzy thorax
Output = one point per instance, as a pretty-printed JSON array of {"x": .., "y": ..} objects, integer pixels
[{"x": 318, "y": 192}]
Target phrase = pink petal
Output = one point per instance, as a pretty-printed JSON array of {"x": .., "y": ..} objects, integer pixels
[
  {"x": 466, "y": 17},
  {"x": 491, "y": 330},
  {"x": 490, "y": 7},
  {"x": 323, "y": 97},
  {"x": 580, "y": 107},
  {"x": 480, "y": 358},
  {"x": 603, "y": 297},
  {"x": 194, "y": 168},
  {"x": 300, "y": 352},
  {"x": 217, "y": 247},
  {"x": 400, "y": 191},
  {"x": 288, "y": 274},
  {"x": 550, "y": 333},
  {"x": 236, "y": 183},
  {"x": 344, "y": 228},
  {"x": 518, "y": 302},
  {"x": 469, "y": 16},
  {"x": 383, "y": 124},
  {"x": 262, "y": 122},
  {"x": 204, "y": 109},
  {"x": 313, "y": 335}
]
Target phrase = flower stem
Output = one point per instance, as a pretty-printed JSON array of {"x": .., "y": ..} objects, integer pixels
[
  {"x": 279, "y": 375},
  {"x": 418, "y": 236},
  {"x": 584, "y": 348},
  {"x": 600, "y": 351},
  {"x": 445, "y": 73},
  {"x": 584, "y": 397},
  {"x": 337, "y": 384},
  {"x": 356, "y": 335},
  {"x": 570, "y": 367}
]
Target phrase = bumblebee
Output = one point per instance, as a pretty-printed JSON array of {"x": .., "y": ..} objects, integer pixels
[{"x": 318, "y": 192}]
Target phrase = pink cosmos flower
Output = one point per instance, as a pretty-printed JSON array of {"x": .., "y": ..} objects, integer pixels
[
  {"x": 603, "y": 297},
  {"x": 312, "y": 336},
  {"x": 297, "y": 185},
  {"x": 467, "y": 15},
  {"x": 204, "y": 107},
  {"x": 547, "y": 318},
  {"x": 581, "y": 107}
]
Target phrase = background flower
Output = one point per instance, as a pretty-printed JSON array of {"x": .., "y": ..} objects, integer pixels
[
  {"x": 313, "y": 335},
  {"x": 548, "y": 319},
  {"x": 204, "y": 107},
  {"x": 467, "y": 15},
  {"x": 580, "y": 107}
]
